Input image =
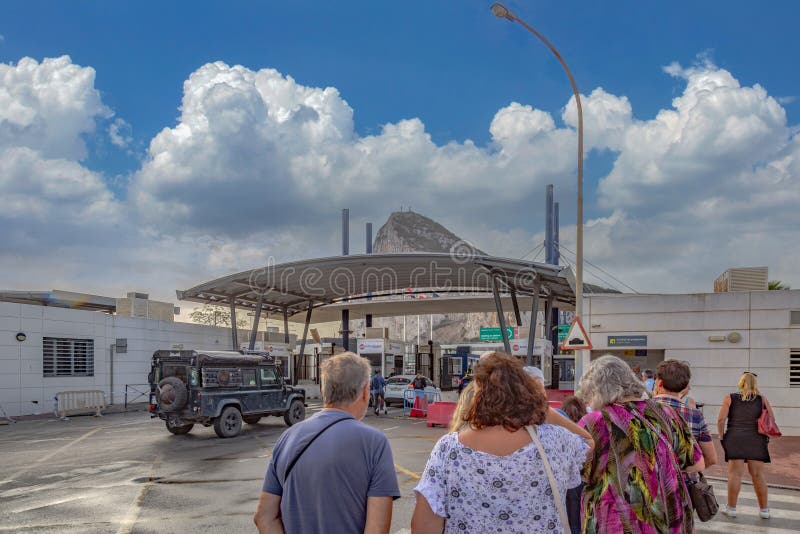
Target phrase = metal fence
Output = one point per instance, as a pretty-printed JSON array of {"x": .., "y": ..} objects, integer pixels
[{"x": 134, "y": 392}]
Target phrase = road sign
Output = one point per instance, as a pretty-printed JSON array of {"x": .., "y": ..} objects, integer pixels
[
  {"x": 563, "y": 330},
  {"x": 576, "y": 339},
  {"x": 493, "y": 333}
]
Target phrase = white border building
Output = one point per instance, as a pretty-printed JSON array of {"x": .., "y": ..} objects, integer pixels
[
  {"x": 719, "y": 334},
  {"x": 24, "y": 388}
]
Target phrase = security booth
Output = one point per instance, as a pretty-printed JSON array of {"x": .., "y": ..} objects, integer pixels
[
  {"x": 383, "y": 354},
  {"x": 566, "y": 371},
  {"x": 279, "y": 351},
  {"x": 454, "y": 365},
  {"x": 274, "y": 344},
  {"x": 426, "y": 360},
  {"x": 542, "y": 356}
]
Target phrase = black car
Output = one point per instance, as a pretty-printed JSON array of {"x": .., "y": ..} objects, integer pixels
[{"x": 220, "y": 388}]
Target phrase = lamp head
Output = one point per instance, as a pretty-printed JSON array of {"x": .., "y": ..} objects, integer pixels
[{"x": 500, "y": 11}]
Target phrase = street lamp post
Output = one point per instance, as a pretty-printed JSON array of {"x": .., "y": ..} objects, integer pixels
[{"x": 501, "y": 11}]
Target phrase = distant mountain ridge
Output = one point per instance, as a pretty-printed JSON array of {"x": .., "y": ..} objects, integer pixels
[{"x": 406, "y": 232}]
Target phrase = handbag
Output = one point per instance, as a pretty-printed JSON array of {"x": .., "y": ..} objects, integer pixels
[
  {"x": 704, "y": 501},
  {"x": 562, "y": 511},
  {"x": 766, "y": 423}
]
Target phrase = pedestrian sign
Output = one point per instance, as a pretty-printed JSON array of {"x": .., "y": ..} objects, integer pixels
[
  {"x": 493, "y": 333},
  {"x": 563, "y": 330},
  {"x": 576, "y": 339}
]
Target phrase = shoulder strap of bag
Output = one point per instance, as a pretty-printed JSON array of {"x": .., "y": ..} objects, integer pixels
[
  {"x": 307, "y": 445},
  {"x": 553, "y": 485}
]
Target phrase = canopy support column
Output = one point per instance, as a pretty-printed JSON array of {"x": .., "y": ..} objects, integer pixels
[
  {"x": 514, "y": 302},
  {"x": 548, "y": 319},
  {"x": 256, "y": 318},
  {"x": 500, "y": 317},
  {"x": 234, "y": 333},
  {"x": 298, "y": 362},
  {"x": 532, "y": 326},
  {"x": 345, "y": 331},
  {"x": 286, "y": 324}
]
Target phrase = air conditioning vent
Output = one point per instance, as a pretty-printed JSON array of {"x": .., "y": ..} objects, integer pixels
[
  {"x": 67, "y": 357},
  {"x": 794, "y": 368}
]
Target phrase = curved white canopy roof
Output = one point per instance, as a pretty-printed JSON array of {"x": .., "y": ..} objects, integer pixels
[{"x": 375, "y": 277}]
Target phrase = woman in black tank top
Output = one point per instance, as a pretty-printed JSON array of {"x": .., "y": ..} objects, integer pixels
[{"x": 742, "y": 442}]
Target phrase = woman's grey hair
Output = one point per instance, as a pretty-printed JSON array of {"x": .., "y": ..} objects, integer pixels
[
  {"x": 607, "y": 380},
  {"x": 343, "y": 377}
]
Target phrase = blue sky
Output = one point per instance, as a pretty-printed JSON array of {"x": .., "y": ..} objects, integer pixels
[
  {"x": 406, "y": 59},
  {"x": 450, "y": 64}
]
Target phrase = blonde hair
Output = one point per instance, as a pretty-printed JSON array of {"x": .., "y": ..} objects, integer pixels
[
  {"x": 457, "y": 423},
  {"x": 748, "y": 387}
]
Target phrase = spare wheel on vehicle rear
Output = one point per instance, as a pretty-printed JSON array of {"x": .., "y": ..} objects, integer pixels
[{"x": 172, "y": 394}]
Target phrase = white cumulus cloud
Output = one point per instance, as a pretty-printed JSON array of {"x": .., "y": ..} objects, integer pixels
[
  {"x": 120, "y": 133},
  {"x": 258, "y": 165},
  {"x": 259, "y": 141},
  {"x": 49, "y": 106}
]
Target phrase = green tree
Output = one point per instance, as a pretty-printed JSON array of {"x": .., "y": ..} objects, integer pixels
[
  {"x": 776, "y": 285},
  {"x": 216, "y": 316}
]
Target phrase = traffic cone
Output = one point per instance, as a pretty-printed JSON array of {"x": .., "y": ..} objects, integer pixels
[{"x": 420, "y": 407}]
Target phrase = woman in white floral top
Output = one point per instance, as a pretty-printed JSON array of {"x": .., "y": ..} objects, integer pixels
[{"x": 490, "y": 477}]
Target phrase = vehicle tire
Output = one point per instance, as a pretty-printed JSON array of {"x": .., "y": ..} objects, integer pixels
[
  {"x": 171, "y": 393},
  {"x": 179, "y": 430},
  {"x": 295, "y": 413},
  {"x": 251, "y": 419},
  {"x": 229, "y": 422}
]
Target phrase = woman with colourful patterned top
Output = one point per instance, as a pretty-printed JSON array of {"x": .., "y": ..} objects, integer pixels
[{"x": 633, "y": 478}]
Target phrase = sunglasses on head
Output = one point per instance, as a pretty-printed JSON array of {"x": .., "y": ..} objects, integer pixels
[{"x": 750, "y": 373}]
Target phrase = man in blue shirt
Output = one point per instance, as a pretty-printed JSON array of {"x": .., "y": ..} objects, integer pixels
[
  {"x": 331, "y": 473},
  {"x": 377, "y": 387}
]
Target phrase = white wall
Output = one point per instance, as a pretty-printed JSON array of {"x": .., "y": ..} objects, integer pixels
[
  {"x": 23, "y": 389},
  {"x": 682, "y": 324}
]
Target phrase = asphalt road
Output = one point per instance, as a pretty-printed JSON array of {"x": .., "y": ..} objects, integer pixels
[{"x": 124, "y": 473}]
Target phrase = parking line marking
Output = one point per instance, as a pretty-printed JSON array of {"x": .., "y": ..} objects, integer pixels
[
  {"x": 135, "y": 508},
  {"x": 390, "y": 428},
  {"x": 400, "y": 469},
  {"x": 56, "y": 452}
]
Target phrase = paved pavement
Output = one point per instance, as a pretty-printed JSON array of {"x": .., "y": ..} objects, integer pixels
[
  {"x": 124, "y": 473},
  {"x": 784, "y": 506},
  {"x": 784, "y": 470}
]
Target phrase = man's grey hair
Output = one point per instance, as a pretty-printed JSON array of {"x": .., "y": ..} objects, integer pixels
[
  {"x": 344, "y": 377},
  {"x": 607, "y": 380}
]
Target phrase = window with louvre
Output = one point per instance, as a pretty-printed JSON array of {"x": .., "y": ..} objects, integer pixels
[
  {"x": 67, "y": 357},
  {"x": 794, "y": 368}
]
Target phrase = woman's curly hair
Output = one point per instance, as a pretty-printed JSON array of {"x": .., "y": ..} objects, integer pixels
[{"x": 504, "y": 394}]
